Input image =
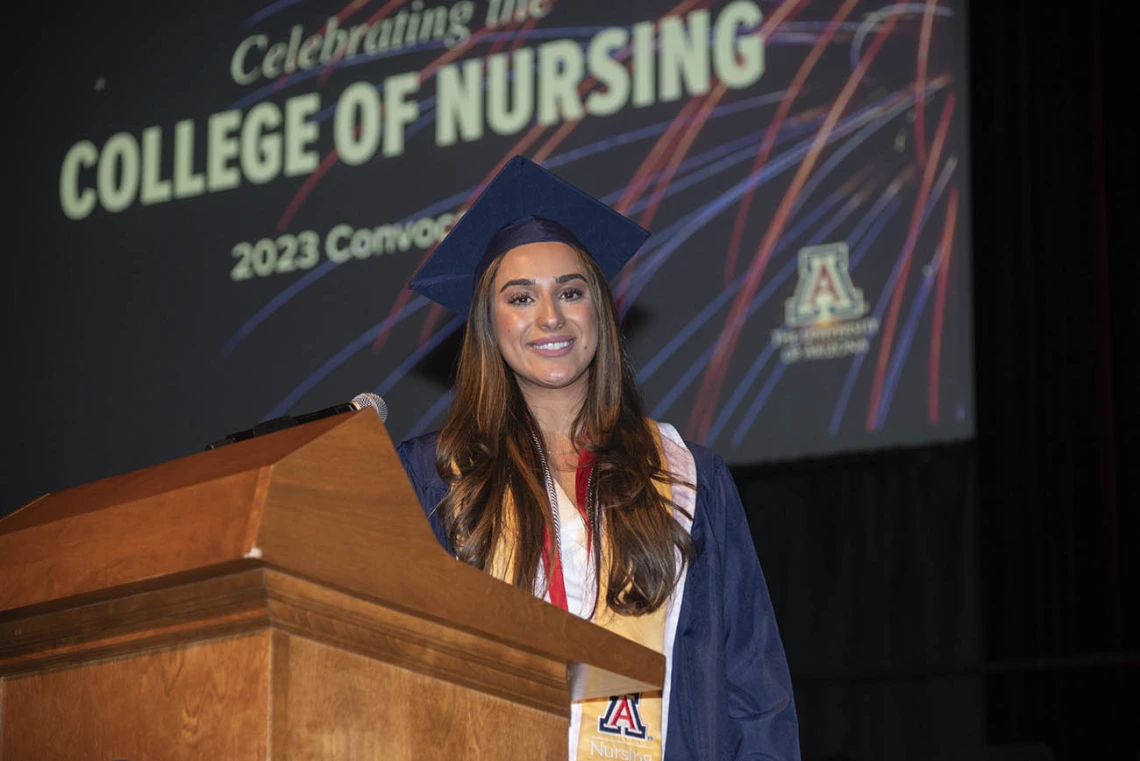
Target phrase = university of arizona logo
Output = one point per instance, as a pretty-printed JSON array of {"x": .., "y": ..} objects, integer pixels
[
  {"x": 623, "y": 717},
  {"x": 824, "y": 318},
  {"x": 825, "y": 292}
]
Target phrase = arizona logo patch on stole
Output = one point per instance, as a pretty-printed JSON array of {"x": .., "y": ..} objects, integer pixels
[{"x": 623, "y": 717}]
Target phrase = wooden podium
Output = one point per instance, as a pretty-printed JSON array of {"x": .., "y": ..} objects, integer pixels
[{"x": 280, "y": 598}]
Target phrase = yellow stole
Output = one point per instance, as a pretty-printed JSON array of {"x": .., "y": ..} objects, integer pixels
[{"x": 622, "y": 726}]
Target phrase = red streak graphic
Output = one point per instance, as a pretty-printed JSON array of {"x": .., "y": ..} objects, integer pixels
[
  {"x": 356, "y": 5},
  {"x": 677, "y": 154},
  {"x": 947, "y": 248},
  {"x": 521, "y": 146},
  {"x": 517, "y": 40},
  {"x": 680, "y": 152},
  {"x": 331, "y": 158},
  {"x": 656, "y": 154},
  {"x": 306, "y": 188},
  {"x": 351, "y": 8},
  {"x": 790, "y": 95},
  {"x": 547, "y": 148},
  {"x": 920, "y": 82},
  {"x": 560, "y": 134},
  {"x": 455, "y": 52},
  {"x": 908, "y": 254},
  {"x": 385, "y": 9},
  {"x": 340, "y": 16},
  {"x": 704, "y": 409},
  {"x": 540, "y": 155},
  {"x": 436, "y": 310},
  {"x": 648, "y": 166},
  {"x": 783, "y": 13},
  {"x": 654, "y": 157}
]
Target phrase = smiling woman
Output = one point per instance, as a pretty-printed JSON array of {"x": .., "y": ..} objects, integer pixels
[{"x": 548, "y": 475}]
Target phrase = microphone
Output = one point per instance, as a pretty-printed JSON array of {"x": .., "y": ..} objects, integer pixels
[{"x": 359, "y": 402}]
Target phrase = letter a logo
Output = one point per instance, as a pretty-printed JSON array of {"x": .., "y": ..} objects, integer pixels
[
  {"x": 825, "y": 292},
  {"x": 622, "y": 717}
]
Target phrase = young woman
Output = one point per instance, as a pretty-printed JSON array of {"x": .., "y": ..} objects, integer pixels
[{"x": 548, "y": 475}]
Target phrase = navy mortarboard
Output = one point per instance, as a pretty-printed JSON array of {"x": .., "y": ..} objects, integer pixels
[{"x": 524, "y": 203}]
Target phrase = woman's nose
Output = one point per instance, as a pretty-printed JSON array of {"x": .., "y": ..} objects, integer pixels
[{"x": 551, "y": 313}]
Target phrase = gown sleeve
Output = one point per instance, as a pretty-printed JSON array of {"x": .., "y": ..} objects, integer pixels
[
  {"x": 418, "y": 458},
  {"x": 761, "y": 720}
]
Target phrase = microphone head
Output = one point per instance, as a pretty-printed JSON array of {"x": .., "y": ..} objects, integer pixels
[{"x": 361, "y": 401}]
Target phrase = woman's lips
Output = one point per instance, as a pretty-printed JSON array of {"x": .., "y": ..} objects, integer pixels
[{"x": 555, "y": 346}]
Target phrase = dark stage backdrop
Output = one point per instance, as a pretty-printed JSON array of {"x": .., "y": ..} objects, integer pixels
[{"x": 219, "y": 205}]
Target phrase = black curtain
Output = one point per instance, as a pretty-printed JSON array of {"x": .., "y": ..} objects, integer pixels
[
  {"x": 979, "y": 600},
  {"x": 1055, "y": 205},
  {"x": 872, "y": 564}
]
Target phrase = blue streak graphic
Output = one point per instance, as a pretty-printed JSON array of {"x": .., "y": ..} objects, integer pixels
[
  {"x": 653, "y": 130},
  {"x": 687, "y": 226},
  {"x": 342, "y": 356},
  {"x": 881, "y": 305},
  {"x": 345, "y": 353},
  {"x": 268, "y": 11},
  {"x": 832, "y": 162},
  {"x": 749, "y": 378},
  {"x": 686, "y": 181},
  {"x": 894, "y": 370},
  {"x": 450, "y": 202},
  {"x": 702, "y": 361},
  {"x": 276, "y": 303},
  {"x": 702, "y": 217},
  {"x": 420, "y": 426},
  {"x": 722, "y": 298},
  {"x": 412, "y": 359},
  {"x": 759, "y": 402},
  {"x": 872, "y": 21},
  {"x": 770, "y": 385},
  {"x": 795, "y": 34},
  {"x": 279, "y": 85},
  {"x": 691, "y": 374},
  {"x": 694, "y": 222}
]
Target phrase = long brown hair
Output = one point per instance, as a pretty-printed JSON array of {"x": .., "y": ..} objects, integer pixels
[{"x": 486, "y": 449}]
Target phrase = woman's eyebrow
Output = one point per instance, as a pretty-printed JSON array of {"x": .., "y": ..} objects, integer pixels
[{"x": 526, "y": 281}]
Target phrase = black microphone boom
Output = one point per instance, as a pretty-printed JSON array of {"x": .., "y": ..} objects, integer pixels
[{"x": 359, "y": 402}]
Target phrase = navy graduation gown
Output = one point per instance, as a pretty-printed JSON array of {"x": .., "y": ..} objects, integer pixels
[{"x": 731, "y": 694}]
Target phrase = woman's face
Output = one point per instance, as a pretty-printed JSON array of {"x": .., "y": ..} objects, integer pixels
[{"x": 545, "y": 321}]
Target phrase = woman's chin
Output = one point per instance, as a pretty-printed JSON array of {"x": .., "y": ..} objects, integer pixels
[{"x": 553, "y": 381}]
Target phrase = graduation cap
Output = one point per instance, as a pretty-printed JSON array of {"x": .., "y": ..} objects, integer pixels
[{"x": 516, "y": 208}]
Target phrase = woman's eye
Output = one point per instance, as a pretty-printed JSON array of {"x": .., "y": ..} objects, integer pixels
[
  {"x": 519, "y": 299},
  {"x": 572, "y": 294}
]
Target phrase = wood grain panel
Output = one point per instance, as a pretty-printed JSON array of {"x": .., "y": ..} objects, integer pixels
[
  {"x": 418, "y": 644},
  {"x": 183, "y": 473},
  {"x": 3, "y": 686},
  {"x": 170, "y": 532},
  {"x": 375, "y": 710},
  {"x": 169, "y": 518},
  {"x": 258, "y": 598},
  {"x": 184, "y": 613},
  {"x": 209, "y": 701}
]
